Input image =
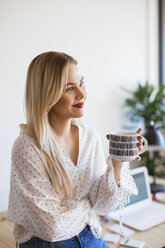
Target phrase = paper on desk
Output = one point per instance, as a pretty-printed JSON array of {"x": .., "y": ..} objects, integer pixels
[
  {"x": 111, "y": 238},
  {"x": 132, "y": 243},
  {"x": 116, "y": 229}
]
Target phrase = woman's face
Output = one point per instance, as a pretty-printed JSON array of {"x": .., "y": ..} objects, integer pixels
[{"x": 71, "y": 103}]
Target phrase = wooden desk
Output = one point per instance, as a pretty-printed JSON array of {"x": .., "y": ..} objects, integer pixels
[
  {"x": 154, "y": 237},
  {"x": 6, "y": 232}
]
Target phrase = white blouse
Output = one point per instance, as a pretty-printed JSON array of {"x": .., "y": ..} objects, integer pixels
[{"x": 36, "y": 209}]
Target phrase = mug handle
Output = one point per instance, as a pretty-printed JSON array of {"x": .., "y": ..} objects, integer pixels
[{"x": 145, "y": 145}]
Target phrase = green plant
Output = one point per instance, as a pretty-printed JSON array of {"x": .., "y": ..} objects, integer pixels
[{"x": 147, "y": 103}]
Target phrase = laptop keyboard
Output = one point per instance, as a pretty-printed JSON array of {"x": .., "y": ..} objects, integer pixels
[
  {"x": 145, "y": 217},
  {"x": 141, "y": 212}
]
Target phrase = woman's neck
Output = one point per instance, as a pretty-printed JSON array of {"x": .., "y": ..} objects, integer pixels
[{"x": 61, "y": 127}]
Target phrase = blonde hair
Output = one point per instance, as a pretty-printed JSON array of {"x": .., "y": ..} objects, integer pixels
[{"x": 46, "y": 78}]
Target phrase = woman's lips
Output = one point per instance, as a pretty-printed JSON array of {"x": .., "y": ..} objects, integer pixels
[{"x": 79, "y": 105}]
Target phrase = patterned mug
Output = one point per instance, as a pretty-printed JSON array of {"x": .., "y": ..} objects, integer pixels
[{"x": 124, "y": 145}]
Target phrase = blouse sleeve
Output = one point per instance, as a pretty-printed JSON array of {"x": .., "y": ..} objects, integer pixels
[
  {"x": 105, "y": 195},
  {"x": 30, "y": 205}
]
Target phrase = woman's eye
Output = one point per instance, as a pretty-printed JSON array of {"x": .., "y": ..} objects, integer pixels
[
  {"x": 69, "y": 89},
  {"x": 72, "y": 88}
]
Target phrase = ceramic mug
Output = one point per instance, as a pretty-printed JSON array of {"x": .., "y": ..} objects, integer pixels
[{"x": 124, "y": 145}]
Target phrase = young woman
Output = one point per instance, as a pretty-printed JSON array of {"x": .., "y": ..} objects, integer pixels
[{"x": 60, "y": 181}]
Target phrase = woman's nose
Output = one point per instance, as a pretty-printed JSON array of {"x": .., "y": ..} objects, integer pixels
[{"x": 80, "y": 94}]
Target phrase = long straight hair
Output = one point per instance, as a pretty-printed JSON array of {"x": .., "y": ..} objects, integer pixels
[{"x": 46, "y": 77}]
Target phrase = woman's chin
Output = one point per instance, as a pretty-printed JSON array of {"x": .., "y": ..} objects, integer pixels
[{"x": 79, "y": 115}]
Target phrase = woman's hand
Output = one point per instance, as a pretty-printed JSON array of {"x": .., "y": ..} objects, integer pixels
[
  {"x": 117, "y": 164},
  {"x": 139, "y": 131}
]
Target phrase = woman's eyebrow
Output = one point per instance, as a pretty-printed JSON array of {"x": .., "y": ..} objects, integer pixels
[
  {"x": 82, "y": 78},
  {"x": 74, "y": 83}
]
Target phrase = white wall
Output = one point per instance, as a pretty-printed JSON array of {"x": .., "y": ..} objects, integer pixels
[{"x": 108, "y": 37}]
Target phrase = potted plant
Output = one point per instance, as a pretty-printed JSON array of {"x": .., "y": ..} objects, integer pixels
[{"x": 147, "y": 103}]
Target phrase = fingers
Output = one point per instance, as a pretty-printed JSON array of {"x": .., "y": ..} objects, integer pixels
[
  {"x": 140, "y": 144},
  {"x": 139, "y": 131},
  {"x": 138, "y": 158}
]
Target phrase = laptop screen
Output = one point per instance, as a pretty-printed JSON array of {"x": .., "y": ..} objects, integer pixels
[
  {"x": 140, "y": 181},
  {"x": 141, "y": 185}
]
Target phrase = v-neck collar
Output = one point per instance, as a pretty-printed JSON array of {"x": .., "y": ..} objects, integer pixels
[{"x": 79, "y": 150}]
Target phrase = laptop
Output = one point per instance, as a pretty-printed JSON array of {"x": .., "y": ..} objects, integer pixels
[{"x": 141, "y": 213}]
